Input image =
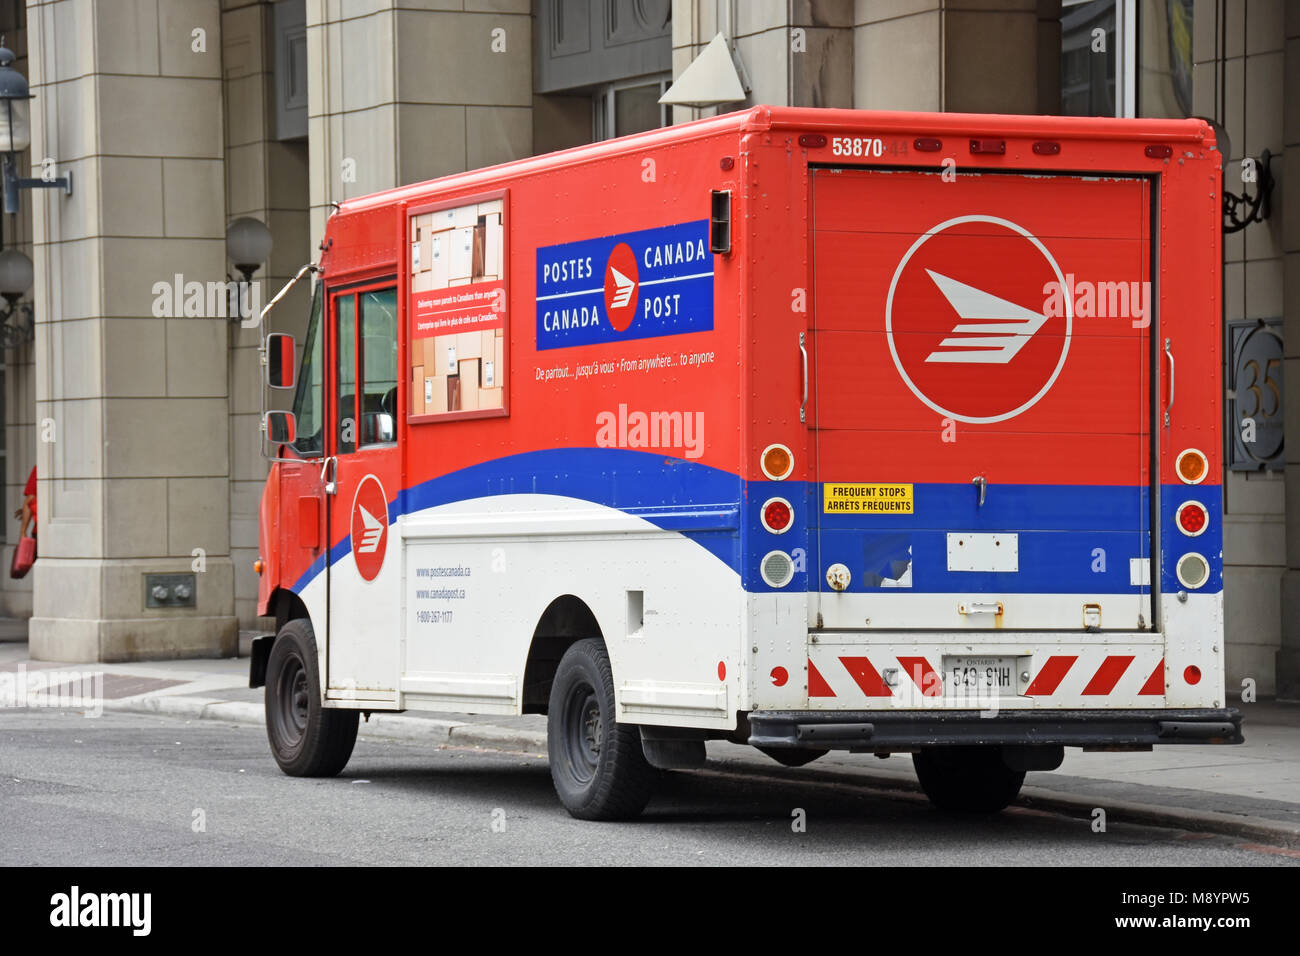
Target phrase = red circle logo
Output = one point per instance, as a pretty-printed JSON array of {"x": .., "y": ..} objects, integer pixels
[
  {"x": 622, "y": 287},
  {"x": 978, "y": 319},
  {"x": 369, "y": 527}
]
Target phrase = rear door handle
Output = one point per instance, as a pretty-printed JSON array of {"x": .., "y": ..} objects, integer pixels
[
  {"x": 1169, "y": 407},
  {"x": 803, "y": 407}
]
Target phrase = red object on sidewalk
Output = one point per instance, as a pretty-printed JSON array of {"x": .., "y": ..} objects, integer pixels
[{"x": 24, "y": 557}]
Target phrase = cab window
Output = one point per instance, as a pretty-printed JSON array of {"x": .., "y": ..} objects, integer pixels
[
  {"x": 307, "y": 399},
  {"x": 366, "y": 368}
]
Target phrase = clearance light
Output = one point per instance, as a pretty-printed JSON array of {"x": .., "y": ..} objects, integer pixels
[
  {"x": 1193, "y": 571},
  {"x": 777, "y": 462},
  {"x": 258, "y": 566},
  {"x": 1192, "y": 466},
  {"x": 1192, "y": 675},
  {"x": 777, "y": 569},
  {"x": 776, "y": 515},
  {"x": 812, "y": 140},
  {"x": 1192, "y": 518}
]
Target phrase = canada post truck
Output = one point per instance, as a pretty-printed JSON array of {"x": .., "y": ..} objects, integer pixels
[{"x": 809, "y": 429}]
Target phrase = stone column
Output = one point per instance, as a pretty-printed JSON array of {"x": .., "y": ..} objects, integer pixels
[
  {"x": 958, "y": 56},
  {"x": 398, "y": 95},
  {"x": 131, "y": 404},
  {"x": 1288, "y": 656}
]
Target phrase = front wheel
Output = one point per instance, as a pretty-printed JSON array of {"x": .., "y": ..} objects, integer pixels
[
  {"x": 306, "y": 739},
  {"x": 598, "y": 767}
]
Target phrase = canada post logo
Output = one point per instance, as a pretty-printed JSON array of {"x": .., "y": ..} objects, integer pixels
[
  {"x": 637, "y": 285},
  {"x": 966, "y": 323},
  {"x": 369, "y": 527}
]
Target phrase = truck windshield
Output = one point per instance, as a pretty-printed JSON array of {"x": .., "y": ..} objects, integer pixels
[{"x": 307, "y": 400}]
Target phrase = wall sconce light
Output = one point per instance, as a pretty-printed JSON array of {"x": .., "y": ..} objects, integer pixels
[
  {"x": 1259, "y": 206},
  {"x": 17, "y": 321},
  {"x": 248, "y": 245},
  {"x": 16, "y": 133}
]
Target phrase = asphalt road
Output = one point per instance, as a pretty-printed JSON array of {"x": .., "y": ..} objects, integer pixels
[{"x": 127, "y": 789}]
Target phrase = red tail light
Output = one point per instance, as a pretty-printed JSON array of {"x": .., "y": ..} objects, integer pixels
[
  {"x": 777, "y": 515},
  {"x": 1192, "y": 518}
]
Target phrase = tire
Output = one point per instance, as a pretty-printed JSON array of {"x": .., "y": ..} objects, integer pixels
[
  {"x": 307, "y": 740},
  {"x": 967, "y": 779},
  {"x": 791, "y": 756},
  {"x": 597, "y": 765}
]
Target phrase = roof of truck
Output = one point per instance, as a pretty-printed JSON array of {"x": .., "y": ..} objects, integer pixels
[{"x": 763, "y": 118}]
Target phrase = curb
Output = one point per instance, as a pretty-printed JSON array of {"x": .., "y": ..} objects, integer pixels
[
  {"x": 390, "y": 726},
  {"x": 489, "y": 736}
]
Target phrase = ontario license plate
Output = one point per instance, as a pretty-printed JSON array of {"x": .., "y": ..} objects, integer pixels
[{"x": 979, "y": 675}]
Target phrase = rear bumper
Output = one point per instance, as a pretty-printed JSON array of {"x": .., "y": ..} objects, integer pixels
[{"x": 883, "y": 730}]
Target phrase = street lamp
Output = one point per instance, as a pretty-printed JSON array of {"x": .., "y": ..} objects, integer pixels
[
  {"x": 15, "y": 279},
  {"x": 16, "y": 133},
  {"x": 248, "y": 244}
]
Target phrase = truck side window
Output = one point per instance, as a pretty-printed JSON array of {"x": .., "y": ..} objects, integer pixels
[
  {"x": 307, "y": 399},
  {"x": 378, "y": 344}
]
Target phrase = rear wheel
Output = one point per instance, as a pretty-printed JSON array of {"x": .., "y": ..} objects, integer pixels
[
  {"x": 967, "y": 779},
  {"x": 598, "y": 767},
  {"x": 307, "y": 740}
]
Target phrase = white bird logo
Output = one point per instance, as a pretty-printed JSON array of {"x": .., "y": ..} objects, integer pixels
[
  {"x": 626, "y": 287},
  {"x": 1001, "y": 328},
  {"x": 374, "y": 531}
]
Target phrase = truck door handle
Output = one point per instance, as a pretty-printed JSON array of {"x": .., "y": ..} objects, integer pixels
[
  {"x": 1170, "y": 406},
  {"x": 329, "y": 474},
  {"x": 803, "y": 407}
]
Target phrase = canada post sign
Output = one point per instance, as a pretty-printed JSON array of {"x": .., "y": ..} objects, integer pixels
[{"x": 637, "y": 285}]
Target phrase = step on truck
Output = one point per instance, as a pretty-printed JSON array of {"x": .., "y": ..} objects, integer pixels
[{"x": 894, "y": 433}]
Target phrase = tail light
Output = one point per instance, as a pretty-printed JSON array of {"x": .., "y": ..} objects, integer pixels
[
  {"x": 777, "y": 515},
  {"x": 777, "y": 569},
  {"x": 777, "y": 462},
  {"x": 1192, "y": 518},
  {"x": 1192, "y": 466},
  {"x": 1193, "y": 571}
]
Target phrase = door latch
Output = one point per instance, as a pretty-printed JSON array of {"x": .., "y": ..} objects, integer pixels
[
  {"x": 329, "y": 474},
  {"x": 982, "y": 485}
]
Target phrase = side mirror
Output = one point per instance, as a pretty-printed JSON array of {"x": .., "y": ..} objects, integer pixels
[
  {"x": 280, "y": 360},
  {"x": 280, "y": 427}
]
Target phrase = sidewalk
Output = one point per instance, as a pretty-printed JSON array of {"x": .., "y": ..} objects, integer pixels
[{"x": 1251, "y": 790}]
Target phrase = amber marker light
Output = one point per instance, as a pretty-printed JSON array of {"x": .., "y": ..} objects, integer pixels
[
  {"x": 1192, "y": 466},
  {"x": 777, "y": 462}
]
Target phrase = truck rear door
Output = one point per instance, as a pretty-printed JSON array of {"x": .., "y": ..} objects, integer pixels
[{"x": 982, "y": 391}]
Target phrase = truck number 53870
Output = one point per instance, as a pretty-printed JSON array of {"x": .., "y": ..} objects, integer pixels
[{"x": 856, "y": 146}]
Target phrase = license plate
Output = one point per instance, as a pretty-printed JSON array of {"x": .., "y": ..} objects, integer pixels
[{"x": 963, "y": 676}]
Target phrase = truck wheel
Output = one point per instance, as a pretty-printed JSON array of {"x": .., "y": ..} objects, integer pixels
[
  {"x": 598, "y": 767},
  {"x": 792, "y": 757},
  {"x": 967, "y": 779},
  {"x": 307, "y": 740}
]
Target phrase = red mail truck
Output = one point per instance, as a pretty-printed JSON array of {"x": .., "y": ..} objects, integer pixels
[{"x": 813, "y": 430}]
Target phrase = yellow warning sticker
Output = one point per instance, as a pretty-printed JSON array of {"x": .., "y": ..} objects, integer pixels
[{"x": 867, "y": 499}]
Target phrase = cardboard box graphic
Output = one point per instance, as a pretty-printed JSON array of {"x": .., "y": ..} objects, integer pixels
[
  {"x": 435, "y": 393},
  {"x": 417, "y": 390}
]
